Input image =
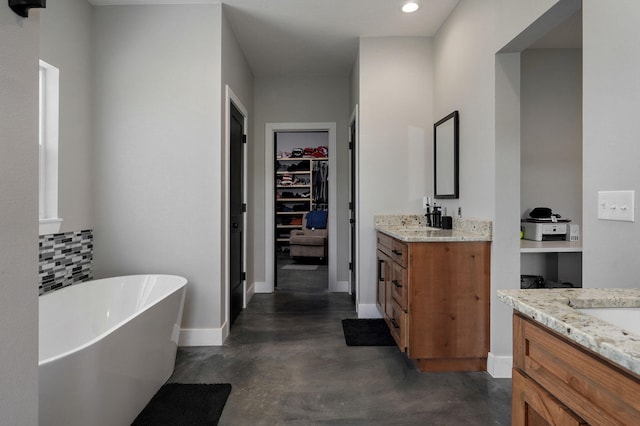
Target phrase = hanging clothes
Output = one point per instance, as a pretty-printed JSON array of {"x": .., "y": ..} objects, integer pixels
[{"x": 320, "y": 186}]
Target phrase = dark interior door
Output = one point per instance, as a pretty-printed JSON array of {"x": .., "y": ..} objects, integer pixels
[
  {"x": 352, "y": 207},
  {"x": 236, "y": 199}
]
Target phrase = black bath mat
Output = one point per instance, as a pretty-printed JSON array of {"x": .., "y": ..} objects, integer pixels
[
  {"x": 367, "y": 332},
  {"x": 185, "y": 404}
]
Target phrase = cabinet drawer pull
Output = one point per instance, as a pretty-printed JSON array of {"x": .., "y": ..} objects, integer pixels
[
  {"x": 394, "y": 323},
  {"x": 396, "y": 283},
  {"x": 396, "y": 252}
]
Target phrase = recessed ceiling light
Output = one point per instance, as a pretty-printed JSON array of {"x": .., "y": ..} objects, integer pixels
[{"x": 410, "y": 6}]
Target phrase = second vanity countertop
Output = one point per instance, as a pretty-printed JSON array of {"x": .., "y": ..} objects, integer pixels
[
  {"x": 411, "y": 228},
  {"x": 557, "y": 309}
]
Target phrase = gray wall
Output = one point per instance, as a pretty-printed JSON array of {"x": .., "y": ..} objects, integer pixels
[
  {"x": 395, "y": 106},
  {"x": 485, "y": 87},
  {"x": 237, "y": 74},
  {"x": 301, "y": 100},
  {"x": 611, "y": 63},
  {"x": 65, "y": 42},
  {"x": 551, "y": 133},
  {"x": 551, "y": 149},
  {"x": 18, "y": 217},
  {"x": 158, "y": 155}
]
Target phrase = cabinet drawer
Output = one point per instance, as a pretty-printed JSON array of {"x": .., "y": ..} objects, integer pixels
[
  {"x": 399, "y": 253},
  {"x": 385, "y": 243},
  {"x": 399, "y": 285},
  {"x": 532, "y": 405},
  {"x": 595, "y": 389},
  {"x": 397, "y": 321}
]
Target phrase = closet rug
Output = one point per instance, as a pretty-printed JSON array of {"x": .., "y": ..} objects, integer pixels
[
  {"x": 185, "y": 404},
  {"x": 367, "y": 332}
]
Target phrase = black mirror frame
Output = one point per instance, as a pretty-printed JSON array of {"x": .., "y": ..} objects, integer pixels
[
  {"x": 456, "y": 144},
  {"x": 21, "y": 7}
]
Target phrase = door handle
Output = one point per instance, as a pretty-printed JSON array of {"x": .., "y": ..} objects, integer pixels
[{"x": 234, "y": 225}]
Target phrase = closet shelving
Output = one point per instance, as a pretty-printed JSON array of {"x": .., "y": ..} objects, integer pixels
[{"x": 294, "y": 199}]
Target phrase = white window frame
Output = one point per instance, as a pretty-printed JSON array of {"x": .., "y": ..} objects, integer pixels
[{"x": 49, "y": 83}]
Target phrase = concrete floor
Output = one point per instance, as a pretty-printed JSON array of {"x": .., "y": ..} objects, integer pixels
[{"x": 289, "y": 365}]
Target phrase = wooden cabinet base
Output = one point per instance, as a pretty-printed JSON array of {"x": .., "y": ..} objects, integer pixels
[
  {"x": 455, "y": 364},
  {"x": 557, "y": 382},
  {"x": 435, "y": 299}
]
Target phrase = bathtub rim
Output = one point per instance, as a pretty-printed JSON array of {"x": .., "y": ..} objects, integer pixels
[{"x": 99, "y": 337}]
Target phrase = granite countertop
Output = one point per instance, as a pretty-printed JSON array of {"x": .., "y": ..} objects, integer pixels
[
  {"x": 412, "y": 228},
  {"x": 554, "y": 308}
]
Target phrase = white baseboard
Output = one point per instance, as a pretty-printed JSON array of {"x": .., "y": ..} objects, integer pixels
[
  {"x": 368, "y": 311},
  {"x": 499, "y": 366},
  {"x": 251, "y": 290},
  {"x": 263, "y": 287},
  {"x": 203, "y": 336},
  {"x": 340, "y": 287}
]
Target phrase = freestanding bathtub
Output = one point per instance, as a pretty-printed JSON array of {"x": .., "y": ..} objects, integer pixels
[{"x": 106, "y": 347}]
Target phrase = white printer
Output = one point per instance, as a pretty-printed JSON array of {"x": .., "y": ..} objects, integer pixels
[
  {"x": 543, "y": 225},
  {"x": 546, "y": 231}
]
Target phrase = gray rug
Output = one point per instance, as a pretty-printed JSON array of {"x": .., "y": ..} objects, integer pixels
[{"x": 301, "y": 267}]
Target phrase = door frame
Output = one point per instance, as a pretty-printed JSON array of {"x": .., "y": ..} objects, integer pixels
[
  {"x": 354, "y": 174},
  {"x": 269, "y": 248},
  {"x": 231, "y": 97}
]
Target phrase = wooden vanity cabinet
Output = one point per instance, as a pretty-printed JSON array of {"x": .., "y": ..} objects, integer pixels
[
  {"x": 556, "y": 382},
  {"x": 435, "y": 300}
]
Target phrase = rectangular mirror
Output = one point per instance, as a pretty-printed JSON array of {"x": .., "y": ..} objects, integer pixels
[{"x": 445, "y": 156}]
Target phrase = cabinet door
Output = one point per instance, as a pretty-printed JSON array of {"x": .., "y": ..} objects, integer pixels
[
  {"x": 533, "y": 406},
  {"x": 448, "y": 301}
]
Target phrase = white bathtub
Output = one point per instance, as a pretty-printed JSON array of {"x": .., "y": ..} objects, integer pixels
[{"x": 106, "y": 347}]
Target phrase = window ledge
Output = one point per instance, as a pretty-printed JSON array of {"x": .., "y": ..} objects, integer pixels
[{"x": 50, "y": 226}]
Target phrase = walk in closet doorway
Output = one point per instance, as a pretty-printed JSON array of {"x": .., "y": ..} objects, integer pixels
[
  {"x": 301, "y": 200},
  {"x": 300, "y": 188}
]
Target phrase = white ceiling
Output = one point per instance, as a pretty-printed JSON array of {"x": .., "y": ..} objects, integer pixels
[{"x": 314, "y": 37}]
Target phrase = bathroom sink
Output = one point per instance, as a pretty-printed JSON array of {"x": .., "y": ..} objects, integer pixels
[{"x": 625, "y": 318}]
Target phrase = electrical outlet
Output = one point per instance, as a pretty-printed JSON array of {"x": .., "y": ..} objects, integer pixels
[{"x": 616, "y": 205}]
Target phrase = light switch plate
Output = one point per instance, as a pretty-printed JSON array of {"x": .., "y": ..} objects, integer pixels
[{"x": 616, "y": 205}]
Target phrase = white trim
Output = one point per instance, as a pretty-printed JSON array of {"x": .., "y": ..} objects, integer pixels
[
  {"x": 368, "y": 310},
  {"x": 231, "y": 97},
  {"x": 263, "y": 287},
  {"x": 270, "y": 130},
  {"x": 355, "y": 119},
  {"x": 499, "y": 366},
  {"x": 48, "y": 150},
  {"x": 203, "y": 336},
  {"x": 251, "y": 291},
  {"x": 50, "y": 226},
  {"x": 341, "y": 287}
]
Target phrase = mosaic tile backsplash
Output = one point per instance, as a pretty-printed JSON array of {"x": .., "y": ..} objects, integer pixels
[{"x": 65, "y": 259}]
